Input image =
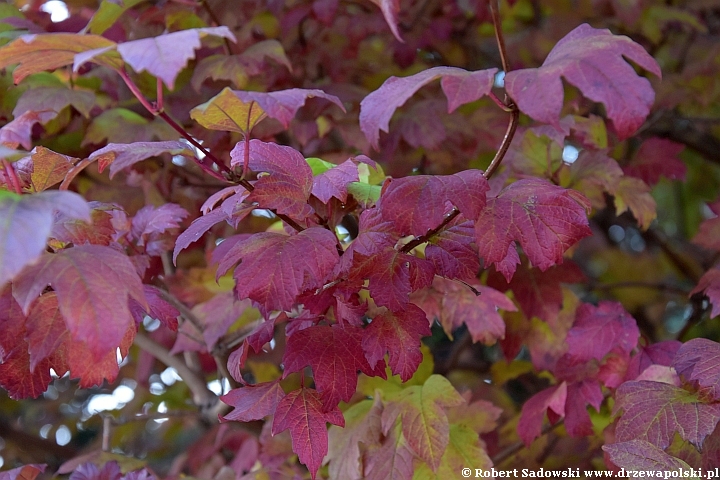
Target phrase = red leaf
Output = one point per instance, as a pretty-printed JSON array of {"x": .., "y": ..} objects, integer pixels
[
  {"x": 158, "y": 308},
  {"x": 92, "y": 371},
  {"x": 124, "y": 155},
  {"x": 657, "y": 157},
  {"x": 26, "y": 224},
  {"x": 151, "y": 220},
  {"x": 593, "y": 60},
  {"x": 301, "y": 411},
  {"x": 453, "y": 252},
  {"x": 26, "y": 472},
  {"x": 93, "y": 284},
  {"x": 455, "y": 304},
  {"x": 46, "y": 329},
  {"x": 399, "y": 335},
  {"x": 598, "y": 330},
  {"x": 16, "y": 378},
  {"x": 579, "y": 395},
  {"x": 551, "y": 400},
  {"x": 334, "y": 182},
  {"x": 12, "y": 324},
  {"x": 392, "y": 460},
  {"x": 69, "y": 229},
  {"x": 420, "y": 203},
  {"x": 544, "y": 219},
  {"x": 166, "y": 55},
  {"x": 289, "y": 182},
  {"x": 276, "y": 268},
  {"x": 460, "y": 87},
  {"x": 698, "y": 361},
  {"x": 335, "y": 355},
  {"x": 282, "y": 105},
  {"x": 392, "y": 276},
  {"x": 539, "y": 293},
  {"x": 655, "y": 411},
  {"x": 253, "y": 402}
]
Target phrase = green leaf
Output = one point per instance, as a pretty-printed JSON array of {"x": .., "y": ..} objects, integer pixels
[
  {"x": 318, "y": 165},
  {"x": 366, "y": 195}
]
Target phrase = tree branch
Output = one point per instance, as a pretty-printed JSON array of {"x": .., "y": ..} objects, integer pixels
[{"x": 202, "y": 396}]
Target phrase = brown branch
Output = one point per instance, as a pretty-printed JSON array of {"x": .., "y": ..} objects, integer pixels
[
  {"x": 185, "y": 312},
  {"x": 202, "y": 396},
  {"x": 638, "y": 284},
  {"x": 495, "y": 12},
  {"x": 505, "y": 145}
]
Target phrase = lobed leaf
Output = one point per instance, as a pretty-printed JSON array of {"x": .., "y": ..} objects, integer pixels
[
  {"x": 276, "y": 268},
  {"x": 26, "y": 222},
  {"x": 598, "y": 330},
  {"x": 544, "y": 219},
  {"x": 93, "y": 285},
  {"x": 335, "y": 355},
  {"x": 593, "y": 60},
  {"x": 166, "y": 55},
  {"x": 419, "y": 203},
  {"x": 460, "y": 87},
  {"x": 399, "y": 335},
  {"x": 301, "y": 412},
  {"x": 655, "y": 411},
  {"x": 48, "y": 51}
]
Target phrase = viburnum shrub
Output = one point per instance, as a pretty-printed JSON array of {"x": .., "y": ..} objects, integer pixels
[{"x": 198, "y": 207}]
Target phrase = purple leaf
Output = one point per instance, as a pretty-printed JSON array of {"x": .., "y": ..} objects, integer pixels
[
  {"x": 545, "y": 219},
  {"x": 334, "y": 182},
  {"x": 460, "y": 87},
  {"x": 420, "y": 203},
  {"x": 283, "y": 104},
  {"x": 276, "y": 268},
  {"x": 598, "y": 330},
  {"x": 593, "y": 60},
  {"x": 26, "y": 224},
  {"x": 253, "y": 402},
  {"x": 166, "y": 55},
  {"x": 93, "y": 284},
  {"x": 289, "y": 182},
  {"x": 123, "y": 155}
]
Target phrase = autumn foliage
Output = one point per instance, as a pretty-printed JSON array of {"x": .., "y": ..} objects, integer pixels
[{"x": 359, "y": 240}]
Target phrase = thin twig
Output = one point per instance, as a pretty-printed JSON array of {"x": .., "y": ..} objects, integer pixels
[
  {"x": 495, "y": 12},
  {"x": 11, "y": 176},
  {"x": 509, "y": 134},
  {"x": 106, "y": 432},
  {"x": 216, "y": 21},
  {"x": 185, "y": 312},
  {"x": 203, "y": 397}
]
